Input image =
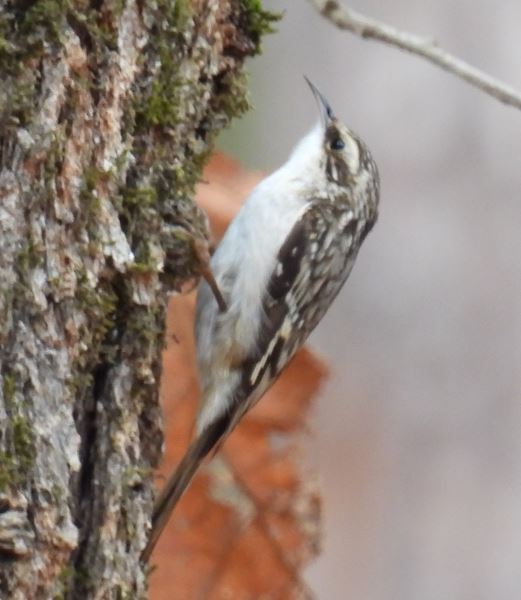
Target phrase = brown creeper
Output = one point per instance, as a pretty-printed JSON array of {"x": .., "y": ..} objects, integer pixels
[{"x": 279, "y": 266}]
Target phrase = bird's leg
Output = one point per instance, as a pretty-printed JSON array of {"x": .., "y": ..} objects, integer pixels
[{"x": 203, "y": 257}]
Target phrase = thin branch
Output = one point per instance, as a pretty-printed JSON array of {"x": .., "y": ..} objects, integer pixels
[{"x": 364, "y": 27}]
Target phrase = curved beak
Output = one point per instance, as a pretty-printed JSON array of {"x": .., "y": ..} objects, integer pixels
[{"x": 326, "y": 112}]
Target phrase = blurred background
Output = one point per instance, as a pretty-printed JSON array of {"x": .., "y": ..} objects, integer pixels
[{"x": 417, "y": 435}]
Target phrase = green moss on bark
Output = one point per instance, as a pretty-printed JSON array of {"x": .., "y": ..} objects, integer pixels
[
  {"x": 257, "y": 21},
  {"x": 18, "y": 454},
  {"x": 107, "y": 307},
  {"x": 9, "y": 389}
]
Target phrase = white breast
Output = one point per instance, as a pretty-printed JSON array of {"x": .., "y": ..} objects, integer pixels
[{"x": 247, "y": 254}]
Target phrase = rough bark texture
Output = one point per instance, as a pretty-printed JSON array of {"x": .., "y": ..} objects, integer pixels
[{"x": 107, "y": 111}]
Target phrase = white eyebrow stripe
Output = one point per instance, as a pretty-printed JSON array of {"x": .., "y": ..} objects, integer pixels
[{"x": 353, "y": 155}]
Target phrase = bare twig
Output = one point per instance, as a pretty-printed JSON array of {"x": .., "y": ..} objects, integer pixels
[{"x": 364, "y": 27}]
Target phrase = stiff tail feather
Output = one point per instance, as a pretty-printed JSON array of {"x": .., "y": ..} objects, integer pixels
[{"x": 181, "y": 478}]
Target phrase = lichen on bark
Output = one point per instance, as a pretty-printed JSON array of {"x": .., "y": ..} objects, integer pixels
[{"x": 108, "y": 111}]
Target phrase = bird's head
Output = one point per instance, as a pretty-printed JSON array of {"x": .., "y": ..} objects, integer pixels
[
  {"x": 345, "y": 156},
  {"x": 334, "y": 156}
]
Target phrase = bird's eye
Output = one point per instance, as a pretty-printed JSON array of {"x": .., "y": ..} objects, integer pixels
[{"x": 337, "y": 144}]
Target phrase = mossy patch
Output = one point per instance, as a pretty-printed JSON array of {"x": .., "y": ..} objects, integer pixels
[
  {"x": 44, "y": 19},
  {"x": 257, "y": 21},
  {"x": 100, "y": 306},
  {"x": 18, "y": 451},
  {"x": 31, "y": 32},
  {"x": 9, "y": 389},
  {"x": 23, "y": 444}
]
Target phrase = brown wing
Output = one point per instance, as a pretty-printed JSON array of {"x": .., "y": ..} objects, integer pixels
[{"x": 313, "y": 263}]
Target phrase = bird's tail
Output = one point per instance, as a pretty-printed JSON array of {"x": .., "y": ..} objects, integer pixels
[{"x": 181, "y": 478}]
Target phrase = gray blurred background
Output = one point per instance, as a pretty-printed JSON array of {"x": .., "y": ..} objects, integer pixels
[{"x": 417, "y": 435}]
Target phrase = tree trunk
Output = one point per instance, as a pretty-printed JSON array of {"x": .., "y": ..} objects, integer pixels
[{"x": 108, "y": 109}]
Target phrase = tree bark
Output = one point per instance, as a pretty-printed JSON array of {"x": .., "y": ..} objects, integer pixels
[{"x": 108, "y": 109}]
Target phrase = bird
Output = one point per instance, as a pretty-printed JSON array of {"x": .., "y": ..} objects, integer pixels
[{"x": 279, "y": 266}]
